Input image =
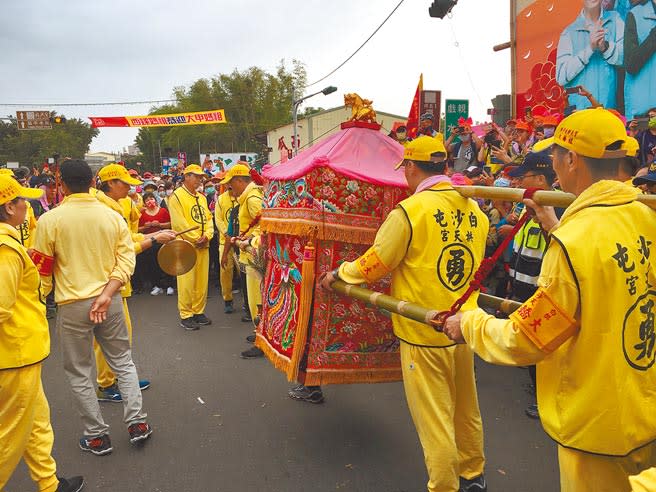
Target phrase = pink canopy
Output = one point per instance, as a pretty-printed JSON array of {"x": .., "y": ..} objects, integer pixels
[{"x": 360, "y": 153}]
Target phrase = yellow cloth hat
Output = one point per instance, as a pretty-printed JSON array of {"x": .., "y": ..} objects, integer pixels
[
  {"x": 6, "y": 172},
  {"x": 116, "y": 171},
  {"x": 421, "y": 149},
  {"x": 588, "y": 132},
  {"x": 194, "y": 169},
  {"x": 631, "y": 146},
  {"x": 10, "y": 189},
  {"x": 236, "y": 170}
]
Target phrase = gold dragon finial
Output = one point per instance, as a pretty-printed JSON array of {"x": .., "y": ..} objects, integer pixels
[{"x": 361, "y": 109}]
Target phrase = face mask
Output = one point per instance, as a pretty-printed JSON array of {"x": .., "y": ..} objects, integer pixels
[
  {"x": 133, "y": 190},
  {"x": 465, "y": 138},
  {"x": 549, "y": 132},
  {"x": 162, "y": 194},
  {"x": 150, "y": 203},
  {"x": 169, "y": 192},
  {"x": 652, "y": 123},
  {"x": 209, "y": 190}
]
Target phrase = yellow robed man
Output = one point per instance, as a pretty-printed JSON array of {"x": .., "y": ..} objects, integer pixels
[
  {"x": 225, "y": 205},
  {"x": 432, "y": 243},
  {"x": 115, "y": 182},
  {"x": 25, "y": 429},
  {"x": 590, "y": 325},
  {"x": 188, "y": 208}
]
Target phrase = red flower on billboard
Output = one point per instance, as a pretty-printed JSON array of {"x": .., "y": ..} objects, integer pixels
[{"x": 545, "y": 91}]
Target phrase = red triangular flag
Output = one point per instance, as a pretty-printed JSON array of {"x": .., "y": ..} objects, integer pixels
[{"x": 413, "y": 117}]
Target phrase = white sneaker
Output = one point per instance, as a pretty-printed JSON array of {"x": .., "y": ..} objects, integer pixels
[
  {"x": 170, "y": 291},
  {"x": 156, "y": 291}
]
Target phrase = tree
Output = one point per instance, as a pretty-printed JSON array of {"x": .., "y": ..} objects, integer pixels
[
  {"x": 32, "y": 147},
  {"x": 254, "y": 101}
]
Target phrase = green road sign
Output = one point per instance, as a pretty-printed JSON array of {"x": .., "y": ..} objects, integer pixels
[{"x": 455, "y": 109}]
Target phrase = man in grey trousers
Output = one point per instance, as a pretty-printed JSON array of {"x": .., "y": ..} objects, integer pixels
[{"x": 88, "y": 249}]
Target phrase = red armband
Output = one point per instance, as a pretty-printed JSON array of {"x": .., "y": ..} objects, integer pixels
[{"x": 44, "y": 263}]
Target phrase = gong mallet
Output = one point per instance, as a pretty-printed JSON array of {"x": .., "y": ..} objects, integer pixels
[{"x": 411, "y": 310}]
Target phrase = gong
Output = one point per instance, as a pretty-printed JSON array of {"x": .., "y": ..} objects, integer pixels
[{"x": 177, "y": 257}]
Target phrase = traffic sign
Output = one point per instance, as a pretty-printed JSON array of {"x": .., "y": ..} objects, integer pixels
[
  {"x": 33, "y": 120},
  {"x": 455, "y": 109}
]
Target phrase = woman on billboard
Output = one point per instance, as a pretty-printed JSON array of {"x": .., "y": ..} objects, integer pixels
[
  {"x": 590, "y": 51},
  {"x": 640, "y": 62}
]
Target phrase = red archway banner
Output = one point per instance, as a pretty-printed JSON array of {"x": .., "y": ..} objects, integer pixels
[{"x": 212, "y": 117}]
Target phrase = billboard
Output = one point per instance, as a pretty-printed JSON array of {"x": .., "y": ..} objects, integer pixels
[{"x": 603, "y": 46}]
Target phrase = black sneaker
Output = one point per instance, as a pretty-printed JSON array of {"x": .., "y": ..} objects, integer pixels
[
  {"x": 139, "y": 432},
  {"x": 99, "y": 446},
  {"x": 477, "y": 484},
  {"x": 250, "y": 338},
  {"x": 73, "y": 484},
  {"x": 252, "y": 353},
  {"x": 189, "y": 324},
  {"x": 228, "y": 308},
  {"x": 201, "y": 319},
  {"x": 246, "y": 318},
  {"x": 311, "y": 394},
  {"x": 532, "y": 411}
]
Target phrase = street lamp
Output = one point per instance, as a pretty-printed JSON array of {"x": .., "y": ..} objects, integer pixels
[{"x": 297, "y": 102}]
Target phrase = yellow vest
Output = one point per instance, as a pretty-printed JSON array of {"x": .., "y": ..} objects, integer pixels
[
  {"x": 24, "y": 336},
  {"x": 597, "y": 392},
  {"x": 446, "y": 247},
  {"x": 26, "y": 229},
  {"x": 194, "y": 212},
  {"x": 224, "y": 206},
  {"x": 253, "y": 195}
]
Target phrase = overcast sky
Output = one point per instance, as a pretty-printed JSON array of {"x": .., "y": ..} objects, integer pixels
[{"x": 89, "y": 51}]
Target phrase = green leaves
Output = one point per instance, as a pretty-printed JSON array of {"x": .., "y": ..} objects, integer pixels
[
  {"x": 255, "y": 101},
  {"x": 30, "y": 147}
]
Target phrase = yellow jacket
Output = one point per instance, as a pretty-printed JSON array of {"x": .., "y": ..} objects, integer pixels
[
  {"x": 224, "y": 206},
  {"x": 250, "y": 207},
  {"x": 589, "y": 326},
  {"x": 24, "y": 336},
  {"x": 125, "y": 208},
  {"x": 456, "y": 231},
  {"x": 189, "y": 210},
  {"x": 28, "y": 227},
  {"x": 83, "y": 244},
  {"x": 645, "y": 482}
]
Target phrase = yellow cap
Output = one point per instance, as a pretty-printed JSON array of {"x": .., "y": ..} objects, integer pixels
[
  {"x": 588, "y": 132},
  {"x": 6, "y": 172},
  {"x": 116, "y": 171},
  {"x": 631, "y": 146},
  {"x": 236, "y": 170},
  {"x": 194, "y": 169},
  {"x": 10, "y": 189},
  {"x": 421, "y": 149}
]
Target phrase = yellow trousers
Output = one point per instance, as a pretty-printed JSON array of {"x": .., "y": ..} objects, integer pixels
[
  {"x": 192, "y": 286},
  {"x": 441, "y": 392},
  {"x": 586, "y": 472},
  {"x": 25, "y": 430},
  {"x": 105, "y": 375},
  {"x": 226, "y": 275},
  {"x": 254, "y": 289}
]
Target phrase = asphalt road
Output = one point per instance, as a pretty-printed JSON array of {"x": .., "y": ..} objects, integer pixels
[{"x": 226, "y": 424}]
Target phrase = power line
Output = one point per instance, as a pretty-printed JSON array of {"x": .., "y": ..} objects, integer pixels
[
  {"x": 361, "y": 46},
  {"x": 462, "y": 59},
  {"x": 62, "y": 105}
]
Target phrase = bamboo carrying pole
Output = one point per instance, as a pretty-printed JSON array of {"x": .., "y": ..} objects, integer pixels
[
  {"x": 411, "y": 310},
  {"x": 552, "y": 198}
]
